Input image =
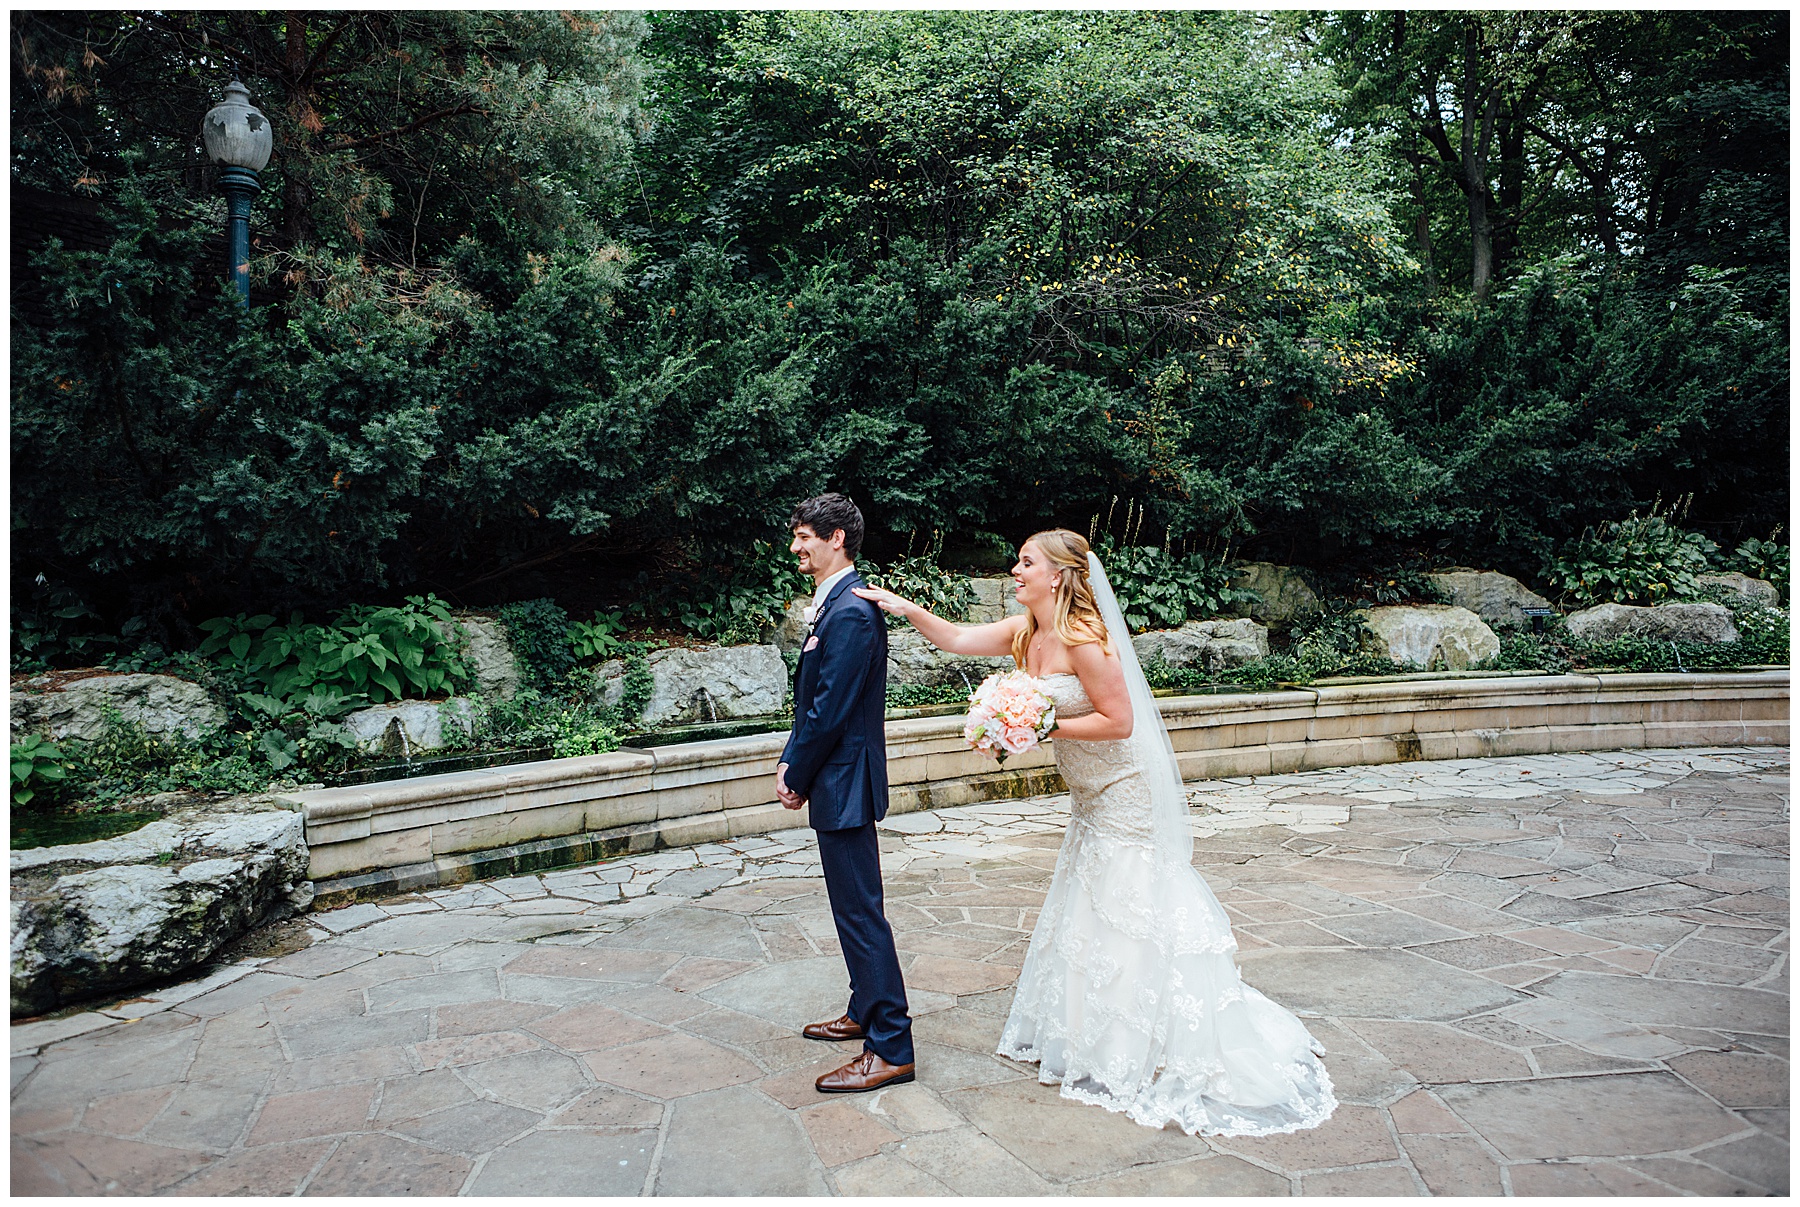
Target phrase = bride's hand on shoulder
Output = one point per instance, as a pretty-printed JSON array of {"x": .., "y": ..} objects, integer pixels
[
  {"x": 980, "y": 640},
  {"x": 885, "y": 599}
]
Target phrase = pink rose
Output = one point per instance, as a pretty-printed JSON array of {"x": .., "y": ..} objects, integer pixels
[{"x": 1017, "y": 741}]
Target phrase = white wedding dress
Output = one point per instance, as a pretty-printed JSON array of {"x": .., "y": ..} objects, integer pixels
[{"x": 1129, "y": 997}]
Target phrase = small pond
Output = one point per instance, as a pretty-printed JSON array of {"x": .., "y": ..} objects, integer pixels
[
  {"x": 54, "y": 827},
  {"x": 405, "y": 769}
]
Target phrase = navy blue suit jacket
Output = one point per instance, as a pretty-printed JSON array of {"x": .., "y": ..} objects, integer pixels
[{"x": 837, "y": 753}]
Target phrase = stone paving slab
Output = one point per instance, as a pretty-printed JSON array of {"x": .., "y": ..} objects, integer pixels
[{"x": 1558, "y": 974}]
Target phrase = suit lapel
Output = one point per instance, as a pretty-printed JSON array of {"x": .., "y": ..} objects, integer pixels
[{"x": 852, "y": 579}]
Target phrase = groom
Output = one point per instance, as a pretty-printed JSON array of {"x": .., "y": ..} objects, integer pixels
[{"x": 836, "y": 759}]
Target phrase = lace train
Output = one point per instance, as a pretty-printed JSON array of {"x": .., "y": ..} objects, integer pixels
[{"x": 1129, "y": 997}]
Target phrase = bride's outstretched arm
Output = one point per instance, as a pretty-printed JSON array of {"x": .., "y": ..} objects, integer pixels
[{"x": 979, "y": 640}]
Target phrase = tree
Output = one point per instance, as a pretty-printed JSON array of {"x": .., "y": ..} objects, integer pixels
[
  {"x": 983, "y": 270},
  {"x": 398, "y": 134},
  {"x": 1629, "y": 133}
]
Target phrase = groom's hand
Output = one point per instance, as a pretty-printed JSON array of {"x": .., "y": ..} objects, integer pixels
[{"x": 789, "y": 798}]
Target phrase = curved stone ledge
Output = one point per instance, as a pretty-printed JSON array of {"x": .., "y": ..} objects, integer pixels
[{"x": 417, "y": 833}]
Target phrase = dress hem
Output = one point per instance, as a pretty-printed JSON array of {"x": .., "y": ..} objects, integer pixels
[{"x": 1136, "y": 1114}]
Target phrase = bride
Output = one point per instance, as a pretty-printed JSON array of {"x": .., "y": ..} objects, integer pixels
[{"x": 1129, "y": 997}]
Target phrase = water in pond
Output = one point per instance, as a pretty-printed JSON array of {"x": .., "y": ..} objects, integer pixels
[
  {"x": 54, "y": 827},
  {"x": 707, "y": 732},
  {"x": 401, "y": 769}
]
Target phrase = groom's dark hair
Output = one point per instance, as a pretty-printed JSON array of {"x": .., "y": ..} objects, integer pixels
[{"x": 825, "y": 514}]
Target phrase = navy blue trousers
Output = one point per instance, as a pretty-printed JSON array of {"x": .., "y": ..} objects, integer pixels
[{"x": 852, "y": 861}]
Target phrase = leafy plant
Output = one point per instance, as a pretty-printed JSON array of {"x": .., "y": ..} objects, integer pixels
[
  {"x": 302, "y": 730},
  {"x": 581, "y": 734},
  {"x": 1641, "y": 559},
  {"x": 635, "y": 689},
  {"x": 1765, "y": 560},
  {"x": 37, "y": 766},
  {"x": 1332, "y": 642},
  {"x": 380, "y": 653},
  {"x": 539, "y": 632},
  {"x": 919, "y": 578},
  {"x": 598, "y": 638},
  {"x": 1156, "y": 590}
]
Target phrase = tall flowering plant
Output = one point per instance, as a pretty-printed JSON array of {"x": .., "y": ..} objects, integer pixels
[{"x": 1008, "y": 714}]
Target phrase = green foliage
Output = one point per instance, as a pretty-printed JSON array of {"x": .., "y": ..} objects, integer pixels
[
  {"x": 1639, "y": 560},
  {"x": 38, "y": 767},
  {"x": 1527, "y": 651},
  {"x": 534, "y": 719},
  {"x": 58, "y": 628},
  {"x": 635, "y": 689},
  {"x": 1580, "y": 115},
  {"x": 1762, "y": 635},
  {"x": 301, "y": 730},
  {"x": 1157, "y": 590},
  {"x": 378, "y": 654},
  {"x": 1580, "y": 394},
  {"x": 1765, "y": 560},
  {"x": 126, "y": 760},
  {"x": 1762, "y": 641},
  {"x": 918, "y": 695},
  {"x": 735, "y": 605},
  {"x": 919, "y": 578},
  {"x": 1392, "y": 583},
  {"x": 1332, "y": 642},
  {"x": 980, "y": 269},
  {"x": 598, "y": 638},
  {"x": 577, "y": 735},
  {"x": 402, "y": 137},
  {"x": 539, "y": 633}
]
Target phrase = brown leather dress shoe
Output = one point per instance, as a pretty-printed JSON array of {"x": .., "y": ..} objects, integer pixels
[
  {"x": 867, "y": 1072},
  {"x": 838, "y": 1028}
]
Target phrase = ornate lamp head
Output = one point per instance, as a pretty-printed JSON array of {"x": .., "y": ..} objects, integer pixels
[{"x": 236, "y": 132}]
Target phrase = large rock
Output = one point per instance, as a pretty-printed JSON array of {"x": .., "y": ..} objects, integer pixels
[
  {"x": 914, "y": 660},
  {"x": 1665, "y": 622},
  {"x": 76, "y": 708},
  {"x": 1211, "y": 645},
  {"x": 789, "y": 633},
  {"x": 488, "y": 653},
  {"x": 1496, "y": 598},
  {"x": 1434, "y": 637},
  {"x": 99, "y": 917},
  {"x": 1750, "y": 592},
  {"x": 1285, "y": 597},
  {"x": 711, "y": 683},
  {"x": 406, "y": 727},
  {"x": 994, "y": 600}
]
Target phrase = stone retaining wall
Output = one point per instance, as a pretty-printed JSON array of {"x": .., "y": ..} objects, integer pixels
[{"x": 418, "y": 833}]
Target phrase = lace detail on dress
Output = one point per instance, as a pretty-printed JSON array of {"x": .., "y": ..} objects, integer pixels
[{"x": 1129, "y": 997}]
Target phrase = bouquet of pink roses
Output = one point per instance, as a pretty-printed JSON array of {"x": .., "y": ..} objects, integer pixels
[{"x": 1008, "y": 714}]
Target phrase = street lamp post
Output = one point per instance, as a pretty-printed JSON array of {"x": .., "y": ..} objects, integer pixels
[{"x": 238, "y": 139}]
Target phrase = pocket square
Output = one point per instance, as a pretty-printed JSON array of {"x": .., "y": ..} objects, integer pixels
[{"x": 812, "y": 643}]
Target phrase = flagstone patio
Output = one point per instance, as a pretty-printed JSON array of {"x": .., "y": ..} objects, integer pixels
[{"x": 1560, "y": 974}]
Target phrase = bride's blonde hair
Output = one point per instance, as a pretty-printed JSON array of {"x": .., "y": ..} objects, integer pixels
[{"x": 1077, "y": 615}]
